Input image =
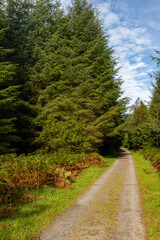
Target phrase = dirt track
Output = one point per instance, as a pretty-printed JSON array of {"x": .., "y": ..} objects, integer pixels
[{"x": 110, "y": 209}]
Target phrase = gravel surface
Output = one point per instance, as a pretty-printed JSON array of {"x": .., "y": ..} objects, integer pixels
[{"x": 110, "y": 209}]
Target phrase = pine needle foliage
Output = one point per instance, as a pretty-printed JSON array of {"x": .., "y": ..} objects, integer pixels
[
  {"x": 155, "y": 102},
  {"x": 83, "y": 90},
  {"x": 69, "y": 92},
  {"x": 8, "y": 93}
]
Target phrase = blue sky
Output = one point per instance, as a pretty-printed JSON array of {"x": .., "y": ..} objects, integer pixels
[{"x": 134, "y": 30}]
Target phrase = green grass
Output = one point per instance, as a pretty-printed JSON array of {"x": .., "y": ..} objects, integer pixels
[
  {"x": 31, "y": 218},
  {"x": 150, "y": 189}
]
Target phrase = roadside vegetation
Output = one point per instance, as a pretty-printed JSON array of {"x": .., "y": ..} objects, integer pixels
[
  {"x": 149, "y": 183},
  {"x": 22, "y": 173},
  {"x": 36, "y": 209}
]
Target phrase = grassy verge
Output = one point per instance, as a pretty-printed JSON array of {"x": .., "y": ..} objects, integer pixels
[
  {"x": 31, "y": 218},
  {"x": 149, "y": 181}
]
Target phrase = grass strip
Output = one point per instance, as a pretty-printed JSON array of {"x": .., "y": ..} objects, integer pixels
[
  {"x": 149, "y": 181},
  {"x": 31, "y": 218}
]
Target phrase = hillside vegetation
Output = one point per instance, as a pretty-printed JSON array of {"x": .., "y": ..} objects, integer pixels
[{"x": 149, "y": 180}]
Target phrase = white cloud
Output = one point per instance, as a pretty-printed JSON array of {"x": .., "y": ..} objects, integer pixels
[
  {"x": 129, "y": 44},
  {"x": 137, "y": 65},
  {"x": 133, "y": 87},
  {"x": 137, "y": 36},
  {"x": 65, "y": 3},
  {"x": 142, "y": 74},
  {"x": 109, "y": 18}
]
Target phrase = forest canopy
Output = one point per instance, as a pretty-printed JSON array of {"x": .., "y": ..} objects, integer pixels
[{"x": 59, "y": 88}]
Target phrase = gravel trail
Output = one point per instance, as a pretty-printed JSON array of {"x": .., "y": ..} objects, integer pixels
[{"x": 110, "y": 209}]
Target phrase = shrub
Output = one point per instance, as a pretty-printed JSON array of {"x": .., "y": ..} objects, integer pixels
[
  {"x": 20, "y": 173},
  {"x": 140, "y": 137},
  {"x": 153, "y": 155}
]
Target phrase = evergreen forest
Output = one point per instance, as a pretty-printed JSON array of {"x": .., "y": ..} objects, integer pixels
[
  {"x": 61, "y": 100},
  {"x": 59, "y": 85},
  {"x": 142, "y": 127}
]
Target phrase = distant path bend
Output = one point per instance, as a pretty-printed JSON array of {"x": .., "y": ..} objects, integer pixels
[{"x": 110, "y": 209}]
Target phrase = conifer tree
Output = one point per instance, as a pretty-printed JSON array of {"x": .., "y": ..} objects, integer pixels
[
  {"x": 100, "y": 88},
  {"x": 8, "y": 93},
  {"x": 155, "y": 103},
  {"x": 42, "y": 22},
  {"x": 140, "y": 113},
  {"x": 17, "y": 12},
  {"x": 82, "y": 85},
  {"x": 139, "y": 131}
]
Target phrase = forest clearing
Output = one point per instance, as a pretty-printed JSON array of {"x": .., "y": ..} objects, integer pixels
[{"x": 64, "y": 118}]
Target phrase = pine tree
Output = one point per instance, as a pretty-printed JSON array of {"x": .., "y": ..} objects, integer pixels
[
  {"x": 155, "y": 103},
  {"x": 139, "y": 131},
  {"x": 17, "y": 12},
  {"x": 8, "y": 93},
  {"x": 82, "y": 83},
  {"x": 101, "y": 88},
  {"x": 140, "y": 113},
  {"x": 42, "y": 22}
]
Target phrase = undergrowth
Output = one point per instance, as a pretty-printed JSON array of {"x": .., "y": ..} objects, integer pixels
[
  {"x": 39, "y": 207},
  {"x": 19, "y": 174},
  {"x": 153, "y": 155}
]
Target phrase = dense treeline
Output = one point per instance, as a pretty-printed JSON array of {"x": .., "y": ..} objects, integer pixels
[
  {"x": 60, "y": 96},
  {"x": 59, "y": 87},
  {"x": 143, "y": 126}
]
